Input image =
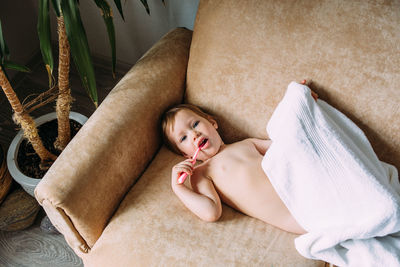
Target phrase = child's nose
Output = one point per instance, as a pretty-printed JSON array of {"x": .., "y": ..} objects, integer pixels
[{"x": 196, "y": 134}]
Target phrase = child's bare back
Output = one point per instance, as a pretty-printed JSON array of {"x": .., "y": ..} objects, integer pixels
[{"x": 242, "y": 184}]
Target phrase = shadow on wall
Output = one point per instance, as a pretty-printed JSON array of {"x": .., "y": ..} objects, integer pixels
[
  {"x": 134, "y": 36},
  {"x": 21, "y": 34},
  {"x": 139, "y": 31}
]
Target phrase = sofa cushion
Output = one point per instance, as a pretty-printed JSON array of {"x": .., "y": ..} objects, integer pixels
[
  {"x": 245, "y": 53},
  {"x": 153, "y": 228}
]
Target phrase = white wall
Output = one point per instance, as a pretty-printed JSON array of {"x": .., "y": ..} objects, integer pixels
[
  {"x": 19, "y": 19},
  {"x": 134, "y": 36},
  {"x": 139, "y": 31}
]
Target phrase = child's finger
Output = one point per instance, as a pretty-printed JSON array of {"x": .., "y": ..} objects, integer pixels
[
  {"x": 186, "y": 169},
  {"x": 186, "y": 165},
  {"x": 189, "y": 161},
  {"x": 181, "y": 173}
]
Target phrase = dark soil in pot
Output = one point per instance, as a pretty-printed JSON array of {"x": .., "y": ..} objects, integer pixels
[{"x": 28, "y": 161}]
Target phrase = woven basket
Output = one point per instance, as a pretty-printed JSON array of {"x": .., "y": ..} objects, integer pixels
[{"x": 5, "y": 177}]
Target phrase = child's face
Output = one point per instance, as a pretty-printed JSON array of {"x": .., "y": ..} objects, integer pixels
[{"x": 190, "y": 130}]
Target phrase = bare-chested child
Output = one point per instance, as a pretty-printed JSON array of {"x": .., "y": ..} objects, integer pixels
[{"x": 228, "y": 172}]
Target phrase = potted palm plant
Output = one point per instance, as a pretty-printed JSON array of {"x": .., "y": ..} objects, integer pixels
[{"x": 72, "y": 41}]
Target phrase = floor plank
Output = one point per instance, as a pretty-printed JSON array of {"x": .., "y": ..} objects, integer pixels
[{"x": 32, "y": 247}]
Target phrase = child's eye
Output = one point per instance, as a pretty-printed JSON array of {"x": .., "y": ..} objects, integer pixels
[
  {"x": 183, "y": 138},
  {"x": 195, "y": 124}
]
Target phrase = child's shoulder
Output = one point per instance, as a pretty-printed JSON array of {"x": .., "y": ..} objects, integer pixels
[
  {"x": 255, "y": 140},
  {"x": 246, "y": 140},
  {"x": 261, "y": 145}
]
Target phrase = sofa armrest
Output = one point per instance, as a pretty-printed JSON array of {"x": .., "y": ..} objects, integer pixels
[{"x": 85, "y": 185}]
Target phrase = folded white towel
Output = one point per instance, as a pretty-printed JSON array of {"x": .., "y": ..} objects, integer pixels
[{"x": 327, "y": 174}]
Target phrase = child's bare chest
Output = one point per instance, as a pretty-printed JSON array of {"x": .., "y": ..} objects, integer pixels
[
  {"x": 236, "y": 169},
  {"x": 242, "y": 184},
  {"x": 235, "y": 161},
  {"x": 237, "y": 173}
]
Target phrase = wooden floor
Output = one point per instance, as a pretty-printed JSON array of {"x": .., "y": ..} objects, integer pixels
[{"x": 32, "y": 247}]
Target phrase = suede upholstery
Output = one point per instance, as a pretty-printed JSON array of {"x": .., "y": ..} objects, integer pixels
[
  {"x": 243, "y": 54},
  {"x": 89, "y": 179},
  {"x": 152, "y": 228},
  {"x": 349, "y": 49}
]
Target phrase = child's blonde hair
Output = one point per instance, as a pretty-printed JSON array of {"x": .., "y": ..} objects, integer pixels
[{"x": 168, "y": 120}]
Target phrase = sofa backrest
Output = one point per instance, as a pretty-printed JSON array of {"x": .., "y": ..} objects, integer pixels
[{"x": 245, "y": 53}]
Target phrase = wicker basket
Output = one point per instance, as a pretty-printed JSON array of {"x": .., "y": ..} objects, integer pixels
[{"x": 5, "y": 177}]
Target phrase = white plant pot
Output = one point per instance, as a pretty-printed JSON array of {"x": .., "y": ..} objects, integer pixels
[{"x": 28, "y": 183}]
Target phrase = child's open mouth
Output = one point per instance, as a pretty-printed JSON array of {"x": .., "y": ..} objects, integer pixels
[{"x": 203, "y": 143}]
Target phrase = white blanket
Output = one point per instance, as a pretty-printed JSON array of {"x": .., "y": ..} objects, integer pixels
[{"x": 326, "y": 172}]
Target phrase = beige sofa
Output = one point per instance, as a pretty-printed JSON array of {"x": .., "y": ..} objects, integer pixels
[{"x": 109, "y": 192}]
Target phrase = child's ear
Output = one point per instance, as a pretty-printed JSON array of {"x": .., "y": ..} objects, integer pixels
[{"x": 213, "y": 122}]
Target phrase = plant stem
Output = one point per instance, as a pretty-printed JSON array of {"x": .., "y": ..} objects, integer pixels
[
  {"x": 64, "y": 98},
  {"x": 26, "y": 122},
  {"x": 10, "y": 93}
]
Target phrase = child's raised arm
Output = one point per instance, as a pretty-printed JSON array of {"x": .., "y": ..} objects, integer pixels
[{"x": 203, "y": 200}]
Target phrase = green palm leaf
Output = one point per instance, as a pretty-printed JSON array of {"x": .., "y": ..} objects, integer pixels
[
  {"x": 119, "y": 6},
  {"x": 79, "y": 47},
  {"x": 57, "y": 7},
  {"x": 4, "y": 53},
  {"x": 144, "y": 2},
  {"x": 108, "y": 20},
  {"x": 15, "y": 66},
  {"x": 44, "y": 32}
]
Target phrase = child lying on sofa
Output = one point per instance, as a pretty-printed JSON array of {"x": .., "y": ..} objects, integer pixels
[
  {"x": 228, "y": 172},
  {"x": 318, "y": 176}
]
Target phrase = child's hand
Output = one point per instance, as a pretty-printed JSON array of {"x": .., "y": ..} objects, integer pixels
[
  {"x": 181, "y": 167},
  {"x": 313, "y": 94}
]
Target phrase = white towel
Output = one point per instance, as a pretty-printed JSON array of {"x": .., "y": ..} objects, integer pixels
[{"x": 327, "y": 174}]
